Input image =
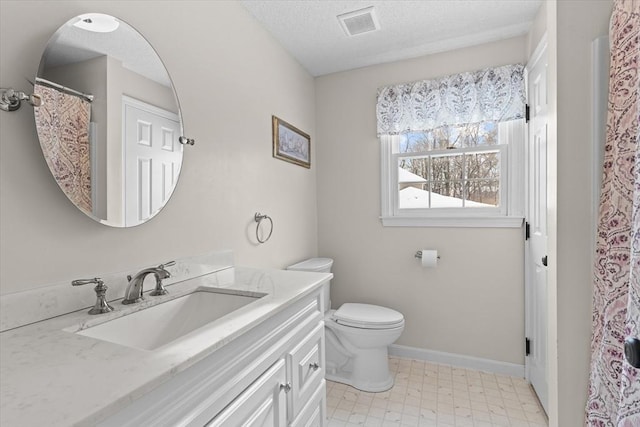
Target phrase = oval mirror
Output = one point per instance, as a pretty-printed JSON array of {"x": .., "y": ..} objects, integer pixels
[{"x": 109, "y": 124}]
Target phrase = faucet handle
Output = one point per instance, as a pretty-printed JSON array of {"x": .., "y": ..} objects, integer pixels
[
  {"x": 98, "y": 281},
  {"x": 167, "y": 264},
  {"x": 101, "y": 305},
  {"x": 160, "y": 275}
]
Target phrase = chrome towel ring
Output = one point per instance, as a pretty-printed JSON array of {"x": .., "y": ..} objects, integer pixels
[{"x": 258, "y": 218}]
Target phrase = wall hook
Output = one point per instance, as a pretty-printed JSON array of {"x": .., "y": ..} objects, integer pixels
[{"x": 11, "y": 100}]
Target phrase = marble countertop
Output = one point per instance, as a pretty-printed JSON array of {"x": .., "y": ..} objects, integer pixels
[{"x": 59, "y": 378}]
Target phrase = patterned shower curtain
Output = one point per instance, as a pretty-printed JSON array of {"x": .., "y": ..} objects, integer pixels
[
  {"x": 62, "y": 122},
  {"x": 614, "y": 389}
]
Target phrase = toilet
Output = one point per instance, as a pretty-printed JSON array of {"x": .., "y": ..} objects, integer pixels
[{"x": 357, "y": 337}]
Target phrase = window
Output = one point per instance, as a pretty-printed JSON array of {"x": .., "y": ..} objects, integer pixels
[
  {"x": 465, "y": 175},
  {"x": 453, "y": 149}
]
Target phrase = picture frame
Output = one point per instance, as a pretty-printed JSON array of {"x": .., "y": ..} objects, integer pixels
[{"x": 290, "y": 143}]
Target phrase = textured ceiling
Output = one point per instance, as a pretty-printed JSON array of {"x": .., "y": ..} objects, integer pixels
[{"x": 310, "y": 31}]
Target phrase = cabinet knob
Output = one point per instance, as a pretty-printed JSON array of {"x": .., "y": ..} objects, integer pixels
[
  {"x": 314, "y": 366},
  {"x": 286, "y": 387}
]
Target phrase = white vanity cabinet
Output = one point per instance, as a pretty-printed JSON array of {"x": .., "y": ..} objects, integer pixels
[{"x": 272, "y": 375}]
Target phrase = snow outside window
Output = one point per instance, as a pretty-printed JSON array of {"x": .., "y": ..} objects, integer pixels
[{"x": 469, "y": 175}]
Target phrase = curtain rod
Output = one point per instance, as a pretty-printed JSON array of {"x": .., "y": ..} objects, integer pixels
[{"x": 45, "y": 82}]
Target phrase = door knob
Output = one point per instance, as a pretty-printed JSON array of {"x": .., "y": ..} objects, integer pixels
[
  {"x": 544, "y": 260},
  {"x": 632, "y": 351}
]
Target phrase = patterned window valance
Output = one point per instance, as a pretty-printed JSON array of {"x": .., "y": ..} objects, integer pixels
[{"x": 496, "y": 94}]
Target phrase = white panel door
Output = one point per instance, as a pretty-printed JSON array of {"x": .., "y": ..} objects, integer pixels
[
  {"x": 536, "y": 251},
  {"x": 152, "y": 157}
]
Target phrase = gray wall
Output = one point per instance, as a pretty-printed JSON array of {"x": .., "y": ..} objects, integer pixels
[
  {"x": 231, "y": 76},
  {"x": 575, "y": 26},
  {"x": 473, "y": 302}
]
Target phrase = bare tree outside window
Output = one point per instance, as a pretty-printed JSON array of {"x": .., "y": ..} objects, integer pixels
[{"x": 457, "y": 164}]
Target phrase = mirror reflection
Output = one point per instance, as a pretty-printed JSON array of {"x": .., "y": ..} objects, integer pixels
[{"x": 109, "y": 123}]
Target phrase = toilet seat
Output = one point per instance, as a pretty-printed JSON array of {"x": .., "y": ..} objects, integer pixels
[{"x": 367, "y": 316}]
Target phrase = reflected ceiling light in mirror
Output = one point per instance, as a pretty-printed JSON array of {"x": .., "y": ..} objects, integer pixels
[{"x": 97, "y": 22}]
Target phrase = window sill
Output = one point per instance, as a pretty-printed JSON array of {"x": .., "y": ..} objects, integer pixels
[{"x": 462, "y": 222}]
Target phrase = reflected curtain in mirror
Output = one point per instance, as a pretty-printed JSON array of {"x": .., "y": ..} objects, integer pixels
[{"x": 62, "y": 122}]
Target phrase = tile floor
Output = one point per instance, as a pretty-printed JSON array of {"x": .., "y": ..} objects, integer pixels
[{"x": 428, "y": 394}]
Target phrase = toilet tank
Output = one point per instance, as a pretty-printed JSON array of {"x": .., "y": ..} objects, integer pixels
[
  {"x": 318, "y": 265},
  {"x": 321, "y": 265}
]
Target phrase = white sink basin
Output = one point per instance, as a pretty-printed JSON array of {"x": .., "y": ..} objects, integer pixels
[{"x": 153, "y": 327}]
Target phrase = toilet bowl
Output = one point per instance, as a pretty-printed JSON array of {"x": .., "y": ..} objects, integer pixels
[{"x": 357, "y": 337}]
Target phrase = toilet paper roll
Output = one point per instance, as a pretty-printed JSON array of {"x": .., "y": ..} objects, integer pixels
[{"x": 429, "y": 258}]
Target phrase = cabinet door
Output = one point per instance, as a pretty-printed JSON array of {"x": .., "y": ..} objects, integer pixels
[
  {"x": 263, "y": 404},
  {"x": 307, "y": 369},
  {"x": 314, "y": 413}
]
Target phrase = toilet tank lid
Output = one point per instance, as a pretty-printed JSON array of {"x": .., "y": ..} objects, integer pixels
[
  {"x": 312, "y": 264},
  {"x": 367, "y": 314}
]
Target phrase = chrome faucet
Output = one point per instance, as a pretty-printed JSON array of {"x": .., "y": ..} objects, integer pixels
[{"x": 133, "y": 293}]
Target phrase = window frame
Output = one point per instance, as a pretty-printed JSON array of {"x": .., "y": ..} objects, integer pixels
[{"x": 510, "y": 213}]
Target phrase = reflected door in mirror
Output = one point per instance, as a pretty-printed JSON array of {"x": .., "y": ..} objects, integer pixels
[{"x": 153, "y": 157}]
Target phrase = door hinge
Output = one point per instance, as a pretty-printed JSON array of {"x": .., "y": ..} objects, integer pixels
[
  {"x": 527, "y": 346},
  {"x": 526, "y": 113},
  {"x": 527, "y": 231}
]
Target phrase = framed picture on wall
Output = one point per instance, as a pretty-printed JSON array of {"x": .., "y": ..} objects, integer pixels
[{"x": 290, "y": 143}]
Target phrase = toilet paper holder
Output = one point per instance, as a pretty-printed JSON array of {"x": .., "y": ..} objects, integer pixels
[{"x": 419, "y": 255}]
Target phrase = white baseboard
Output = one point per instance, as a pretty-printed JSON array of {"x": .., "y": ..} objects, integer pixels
[{"x": 462, "y": 361}]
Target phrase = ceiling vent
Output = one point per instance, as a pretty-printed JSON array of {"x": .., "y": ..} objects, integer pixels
[{"x": 359, "y": 21}]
